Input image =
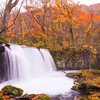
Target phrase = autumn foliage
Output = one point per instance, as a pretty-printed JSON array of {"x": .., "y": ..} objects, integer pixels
[{"x": 56, "y": 24}]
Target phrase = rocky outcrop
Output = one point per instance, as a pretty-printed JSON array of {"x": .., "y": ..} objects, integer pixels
[{"x": 73, "y": 59}]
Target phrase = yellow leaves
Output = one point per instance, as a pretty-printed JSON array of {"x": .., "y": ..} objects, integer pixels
[
  {"x": 42, "y": 35},
  {"x": 39, "y": 13},
  {"x": 65, "y": 44},
  {"x": 94, "y": 51},
  {"x": 89, "y": 27},
  {"x": 87, "y": 46}
]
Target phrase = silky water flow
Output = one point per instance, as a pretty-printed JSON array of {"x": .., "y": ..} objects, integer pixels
[{"x": 33, "y": 70}]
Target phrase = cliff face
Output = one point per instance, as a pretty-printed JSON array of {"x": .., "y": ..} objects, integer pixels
[{"x": 76, "y": 60}]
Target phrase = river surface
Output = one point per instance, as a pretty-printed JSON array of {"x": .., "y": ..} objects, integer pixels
[{"x": 56, "y": 85}]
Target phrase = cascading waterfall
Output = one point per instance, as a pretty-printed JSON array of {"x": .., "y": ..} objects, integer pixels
[
  {"x": 33, "y": 70},
  {"x": 24, "y": 62}
]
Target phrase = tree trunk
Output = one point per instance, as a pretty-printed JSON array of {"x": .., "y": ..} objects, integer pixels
[{"x": 7, "y": 15}]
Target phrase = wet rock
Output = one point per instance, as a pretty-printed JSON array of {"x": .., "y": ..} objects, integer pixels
[
  {"x": 74, "y": 88},
  {"x": 11, "y": 90},
  {"x": 1, "y": 42},
  {"x": 71, "y": 75},
  {"x": 26, "y": 97},
  {"x": 33, "y": 97},
  {"x": 88, "y": 86},
  {"x": 41, "y": 97},
  {"x": 82, "y": 98},
  {"x": 2, "y": 49},
  {"x": 7, "y": 44}
]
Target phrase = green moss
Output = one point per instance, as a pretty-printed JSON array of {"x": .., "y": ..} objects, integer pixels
[
  {"x": 1, "y": 97},
  {"x": 94, "y": 71},
  {"x": 74, "y": 88},
  {"x": 11, "y": 90},
  {"x": 3, "y": 39},
  {"x": 44, "y": 97},
  {"x": 82, "y": 98}
]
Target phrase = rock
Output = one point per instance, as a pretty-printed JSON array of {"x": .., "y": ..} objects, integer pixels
[
  {"x": 2, "y": 49},
  {"x": 74, "y": 88},
  {"x": 70, "y": 75},
  {"x": 33, "y": 97},
  {"x": 11, "y": 90},
  {"x": 26, "y": 97},
  {"x": 88, "y": 86},
  {"x": 7, "y": 44},
  {"x": 82, "y": 98},
  {"x": 41, "y": 97}
]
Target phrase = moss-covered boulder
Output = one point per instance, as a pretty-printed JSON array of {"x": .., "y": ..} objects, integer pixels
[
  {"x": 89, "y": 86},
  {"x": 75, "y": 87},
  {"x": 11, "y": 90},
  {"x": 1, "y": 97},
  {"x": 94, "y": 96},
  {"x": 42, "y": 97},
  {"x": 33, "y": 97},
  {"x": 81, "y": 98}
]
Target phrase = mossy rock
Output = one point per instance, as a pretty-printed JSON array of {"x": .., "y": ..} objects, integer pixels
[
  {"x": 42, "y": 97},
  {"x": 94, "y": 96},
  {"x": 1, "y": 97},
  {"x": 82, "y": 98},
  {"x": 11, "y": 90},
  {"x": 88, "y": 86},
  {"x": 2, "y": 49},
  {"x": 74, "y": 88}
]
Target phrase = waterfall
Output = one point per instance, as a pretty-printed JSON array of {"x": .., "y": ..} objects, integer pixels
[
  {"x": 22, "y": 62},
  {"x": 33, "y": 70}
]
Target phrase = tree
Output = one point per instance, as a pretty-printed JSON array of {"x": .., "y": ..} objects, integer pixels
[{"x": 7, "y": 15}]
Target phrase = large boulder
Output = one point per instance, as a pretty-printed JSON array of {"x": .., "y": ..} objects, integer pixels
[{"x": 11, "y": 90}]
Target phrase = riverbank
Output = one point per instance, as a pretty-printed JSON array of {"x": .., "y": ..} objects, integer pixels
[{"x": 87, "y": 81}]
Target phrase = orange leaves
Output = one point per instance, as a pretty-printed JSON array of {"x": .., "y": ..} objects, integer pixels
[
  {"x": 39, "y": 27},
  {"x": 95, "y": 17},
  {"x": 9, "y": 33},
  {"x": 13, "y": 35},
  {"x": 19, "y": 33},
  {"x": 33, "y": 34}
]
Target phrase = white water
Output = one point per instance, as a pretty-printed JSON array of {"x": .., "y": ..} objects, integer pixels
[{"x": 34, "y": 71}]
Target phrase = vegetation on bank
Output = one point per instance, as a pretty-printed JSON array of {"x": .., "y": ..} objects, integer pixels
[
  {"x": 88, "y": 81},
  {"x": 12, "y": 92}
]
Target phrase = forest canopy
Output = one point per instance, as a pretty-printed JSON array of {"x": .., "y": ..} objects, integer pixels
[{"x": 54, "y": 24}]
